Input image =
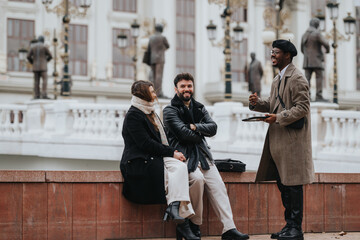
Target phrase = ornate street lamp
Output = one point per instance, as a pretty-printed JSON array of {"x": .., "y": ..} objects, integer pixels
[
  {"x": 238, "y": 31},
  {"x": 211, "y": 31},
  {"x": 321, "y": 17},
  {"x": 122, "y": 42},
  {"x": 23, "y": 54},
  {"x": 349, "y": 22},
  {"x": 66, "y": 10},
  {"x": 55, "y": 73},
  {"x": 135, "y": 30}
]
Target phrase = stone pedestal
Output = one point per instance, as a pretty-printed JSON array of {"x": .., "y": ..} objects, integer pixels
[
  {"x": 317, "y": 126},
  {"x": 225, "y": 119}
]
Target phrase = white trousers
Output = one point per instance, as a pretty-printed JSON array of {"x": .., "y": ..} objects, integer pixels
[
  {"x": 211, "y": 182},
  {"x": 177, "y": 185}
]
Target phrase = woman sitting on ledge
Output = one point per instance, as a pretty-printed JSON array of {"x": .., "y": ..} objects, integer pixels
[{"x": 153, "y": 171}]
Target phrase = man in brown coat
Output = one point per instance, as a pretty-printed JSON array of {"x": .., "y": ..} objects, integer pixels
[
  {"x": 311, "y": 44},
  {"x": 38, "y": 56},
  {"x": 255, "y": 74},
  {"x": 158, "y": 44},
  {"x": 286, "y": 156}
]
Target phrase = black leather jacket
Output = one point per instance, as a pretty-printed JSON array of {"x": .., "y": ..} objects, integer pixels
[{"x": 177, "y": 119}]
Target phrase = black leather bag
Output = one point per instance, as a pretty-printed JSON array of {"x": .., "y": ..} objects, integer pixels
[
  {"x": 146, "y": 58},
  {"x": 229, "y": 165},
  {"x": 299, "y": 124}
]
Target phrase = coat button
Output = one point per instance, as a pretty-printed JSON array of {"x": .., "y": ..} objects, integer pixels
[
  {"x": 152, "y": 158},
  {"x": 129, "y": 161},
  {"x": 145, "y": 161}
]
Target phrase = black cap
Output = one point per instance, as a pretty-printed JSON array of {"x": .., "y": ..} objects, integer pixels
[{"x": 285, "y": 46}]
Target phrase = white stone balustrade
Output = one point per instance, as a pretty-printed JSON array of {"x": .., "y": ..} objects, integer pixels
[
  {"x": 342, "y": 134},
  {"x": 66, "y": 129},
  {"x": 12, "y": 120},
  {"x": 98, "y": 121}
]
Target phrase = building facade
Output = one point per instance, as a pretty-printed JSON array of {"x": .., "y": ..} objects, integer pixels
[{"x": 101, "y": 72}]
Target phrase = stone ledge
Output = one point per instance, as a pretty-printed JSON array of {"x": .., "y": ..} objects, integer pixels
[
  {"x": 22, "y": 176},
  {"x": 115, "y": 176},
  {"x": 339, "y": 177},
  {"x": 83, "y": 176}
]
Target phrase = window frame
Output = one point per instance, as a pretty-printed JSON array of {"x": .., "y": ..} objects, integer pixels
[{"x": 24, "y": 41}]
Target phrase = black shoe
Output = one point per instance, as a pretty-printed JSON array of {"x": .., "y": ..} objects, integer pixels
[
  {"x": 172, "y": 213},
  {"x": 276, "y": 235},
  {"x": 292, "y": 234},
  {"x": 234, "y": 234},
  {"x": 195, "y": 228},
  {"x": 183, "y": 231}
]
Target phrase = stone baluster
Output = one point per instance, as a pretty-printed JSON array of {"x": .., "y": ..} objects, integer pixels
[
  {"x": 22, "y": 123},
  {"x": 112, "y": 124},
  {"x": 87, "y": 116},
  {"x": 239, "y": 137},
  {"x": 97, "y": 121},
  {"x": 120, "y": 121},
  {"x": 15, "y": 125},
  {"x": 102, "y": 122},
  {"x": 351, "y": 135},
  {"x": 76, "y": 114},
  {"x": 2, "y": 120},
  {"x": 7, "y": 122},
  {"x": 336, "y": 137},
  {"x": 328, "y": 134},
  {"x": 357, "y": 136},
  {"x": 344, "y": 124}
]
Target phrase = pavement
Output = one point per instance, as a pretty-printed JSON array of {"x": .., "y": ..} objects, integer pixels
[{"x": 307, "y": 236}]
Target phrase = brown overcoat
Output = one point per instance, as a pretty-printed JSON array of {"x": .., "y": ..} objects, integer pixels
[
  {"x": 157, "y": 46},
  {"x": 38, "y": 56},
  {"x": 289, "y": 148}
]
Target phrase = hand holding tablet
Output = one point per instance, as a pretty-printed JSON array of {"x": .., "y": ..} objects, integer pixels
[{"x": 255, "y": 119}]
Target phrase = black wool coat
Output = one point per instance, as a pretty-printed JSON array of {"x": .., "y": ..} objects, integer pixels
[
  {"x": 142, "y": 164},
  {"x": 177, "y": 120}
]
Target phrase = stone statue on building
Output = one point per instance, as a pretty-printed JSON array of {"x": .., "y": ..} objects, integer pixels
[
  {"x": 311, "y": 46},
  {"x": 255, "y": 73},
  {"x": 39, "y": 55},
  {"x": 157, "y": 46}
]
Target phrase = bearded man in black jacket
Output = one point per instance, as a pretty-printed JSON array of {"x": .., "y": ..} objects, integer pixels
[{"x": 188, "y": 123}]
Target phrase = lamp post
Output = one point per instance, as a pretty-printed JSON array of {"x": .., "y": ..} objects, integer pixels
[
  {"x": 55, "y": 73},
  {"x": 238, "y": 35},
  {"x": 64, "y": 8},
  {"x": 349, "y": 22},
  {"x": 123, "y": 43},
  {"x": 22, "y": 56}
]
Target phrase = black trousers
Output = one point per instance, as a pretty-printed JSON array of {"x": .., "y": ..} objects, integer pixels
[{"x": 292, "y": 200}]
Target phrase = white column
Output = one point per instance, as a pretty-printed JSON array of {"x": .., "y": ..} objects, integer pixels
[
  {"x": 3, "y": 29},
  {"x": 346, "y": 52},
  {"x": 166, "y": 10},
  {"x": 100, "y": 38}
]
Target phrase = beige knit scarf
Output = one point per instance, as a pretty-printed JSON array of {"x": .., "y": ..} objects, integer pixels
[{"x": 149, "y": 108}]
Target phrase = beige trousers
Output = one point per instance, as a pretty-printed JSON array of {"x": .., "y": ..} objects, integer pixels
[
  {"x": 210, "y": 181},
  {"x": 177, "y": 185}
]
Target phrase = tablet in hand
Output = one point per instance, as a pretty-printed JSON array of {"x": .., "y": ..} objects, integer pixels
[{"x": 255, "y": 119}]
